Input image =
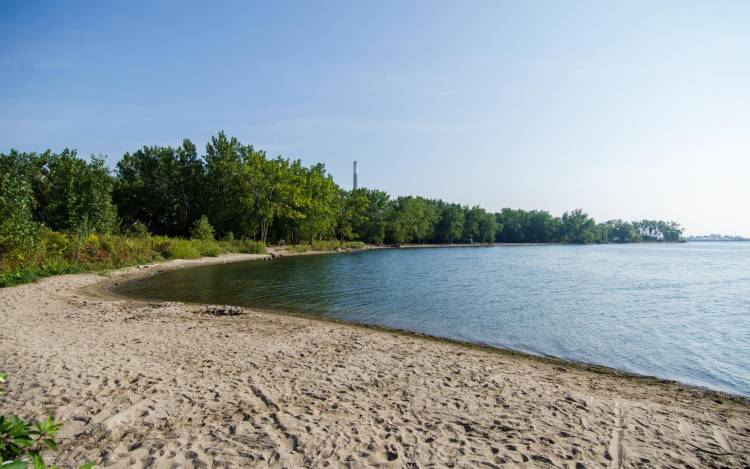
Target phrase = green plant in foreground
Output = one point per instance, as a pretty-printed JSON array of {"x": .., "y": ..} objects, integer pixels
[{"x": 22, "y": 442}]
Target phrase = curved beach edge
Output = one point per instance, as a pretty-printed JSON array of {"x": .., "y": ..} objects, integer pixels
[
  {"x": 107, "y": 288},
  {"x": 139, "y": 383}
]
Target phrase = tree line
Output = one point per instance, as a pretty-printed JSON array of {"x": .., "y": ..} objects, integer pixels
[{"x": 246, "y": 194}]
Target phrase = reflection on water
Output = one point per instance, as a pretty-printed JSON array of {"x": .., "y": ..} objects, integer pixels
[{"x": 676, "y": 311}]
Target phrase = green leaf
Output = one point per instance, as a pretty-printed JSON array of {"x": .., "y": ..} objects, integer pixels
[
  {"x": 51, "y": 444},
  {"x": 38, "y": 461},
  {"x": 46, "y": 427},
  {"x": 22, "y": 441}
]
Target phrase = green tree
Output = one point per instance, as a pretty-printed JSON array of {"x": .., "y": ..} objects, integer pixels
[
  {"x": 350, "y": 213},
  {"x": 32, "y": 168},
  {"x": 19, "y": 234},
  {"x": 162, "y": 187},
  {"x": 412, "y": 219},
  {"x": 487, "y": 227},
  {"x": 512, "y": 225},
  {"x": 373, "y": 227},
  {"x": 578, "y": 227},
  {"x": 203, "y": 230},
  {"x": 450, "y": 225},
  {"x": 276, "y": 186},
  {"x": 80, "y": 197},
  {"x": 619, "y": 231},
  {"x": 479, "y": 226},
  {"x": 231, "y": 170},
  {"x": 319, "y": 204},
  {"x": 540, "y": 227}
]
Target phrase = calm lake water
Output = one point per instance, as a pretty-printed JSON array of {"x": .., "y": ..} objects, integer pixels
[{"x": 677, "y": 311}]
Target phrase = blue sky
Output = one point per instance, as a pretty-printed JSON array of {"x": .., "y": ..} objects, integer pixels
[{"x": 626, "y": 109}]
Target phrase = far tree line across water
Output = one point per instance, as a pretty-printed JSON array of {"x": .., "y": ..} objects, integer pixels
[{"x": 246, "y": 194}]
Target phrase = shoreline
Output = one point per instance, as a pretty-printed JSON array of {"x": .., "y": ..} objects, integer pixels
[
  {"x": 353, "y": 353},
  {"x": 107, "y": 289}
]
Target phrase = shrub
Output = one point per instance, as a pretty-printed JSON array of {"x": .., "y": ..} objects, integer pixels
[
  {"x": 183, "y": 249},
  {"x": 354, "y": 245},
  {"x": 163, "y": 248},
  {"x": 56, "y": 244},
  {"x": 248, "y": 246},
  {"x": 299, "y": 247},
  {"x": 20, "y": 236},
  {"x": 207, "y": 248},
  {"x": 203, "y": 230},
  {"x": 139, "y": 230},
  {"x": 107, "y": 244},
  {"x": 330, "y": 245}
]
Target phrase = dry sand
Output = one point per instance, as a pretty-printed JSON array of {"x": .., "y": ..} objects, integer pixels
[{"x": 174, "y": 385}]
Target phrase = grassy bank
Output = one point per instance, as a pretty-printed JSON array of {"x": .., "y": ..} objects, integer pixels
[{"x": 58, "y": 253}]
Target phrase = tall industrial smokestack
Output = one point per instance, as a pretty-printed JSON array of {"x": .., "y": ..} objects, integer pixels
[{"x": 354, "y": 185}]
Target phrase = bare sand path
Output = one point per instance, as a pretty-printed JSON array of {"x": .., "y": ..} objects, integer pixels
[{"x": 174, "y": 385}]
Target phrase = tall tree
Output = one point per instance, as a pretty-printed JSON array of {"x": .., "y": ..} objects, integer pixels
[
  {"x": 319, "y": 209},
  {"x": 578, "y": 227},
  {"x": 80, "y": 197},
  {"x": 373, "y": 227},
  {"x": 161, "y": 187},
  {"x": 231, "y": 171},
  {"x": 19, "y": 234},
  {"x": 450, "y": 225}
]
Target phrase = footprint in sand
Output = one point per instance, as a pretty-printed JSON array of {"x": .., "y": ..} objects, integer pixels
[{"x": 615, "y": 445}]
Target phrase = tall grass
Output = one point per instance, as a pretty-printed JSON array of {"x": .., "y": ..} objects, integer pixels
[
  {"x": 328, "y": 245},
  {"x": 58, "y": 253}
]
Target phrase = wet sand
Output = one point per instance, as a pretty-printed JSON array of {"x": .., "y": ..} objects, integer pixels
[{"x": 176, "y": 385}]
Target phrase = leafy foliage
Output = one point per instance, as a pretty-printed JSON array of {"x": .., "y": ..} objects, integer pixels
[
  {"x": 51, "y": 204},
  {"x": 56, "y": 253},
  {"x": 203, "y": 230},
  {"x": 80, "y": 195},
  {"x": 19, "y": 234}
]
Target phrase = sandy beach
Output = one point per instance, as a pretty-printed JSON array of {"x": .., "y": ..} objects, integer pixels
[{"x": 175, "y": 385}]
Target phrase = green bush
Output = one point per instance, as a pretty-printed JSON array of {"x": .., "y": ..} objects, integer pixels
[
  {"x": 208, "y": 248},
  {"x": 183, "y": 249},
  {"x": 163, "y": 248},
  {"x": 329, "y": 245},
  {"x": 202, "y": 230},
  {"x": 248, "y": 246},
  {"x": 139, "y": 230},
  {"x": 20, "y": 236},
  {"x": 299, "y": 247},
  {"x": 17, "y": 277},
  {"x": 57, "y": 253},
  {"x": 56, "y": 244},
  {"x": 354, "y": 245}
]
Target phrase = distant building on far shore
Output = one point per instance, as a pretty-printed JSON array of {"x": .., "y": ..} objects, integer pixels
[{"x": 354, "y": 183}]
